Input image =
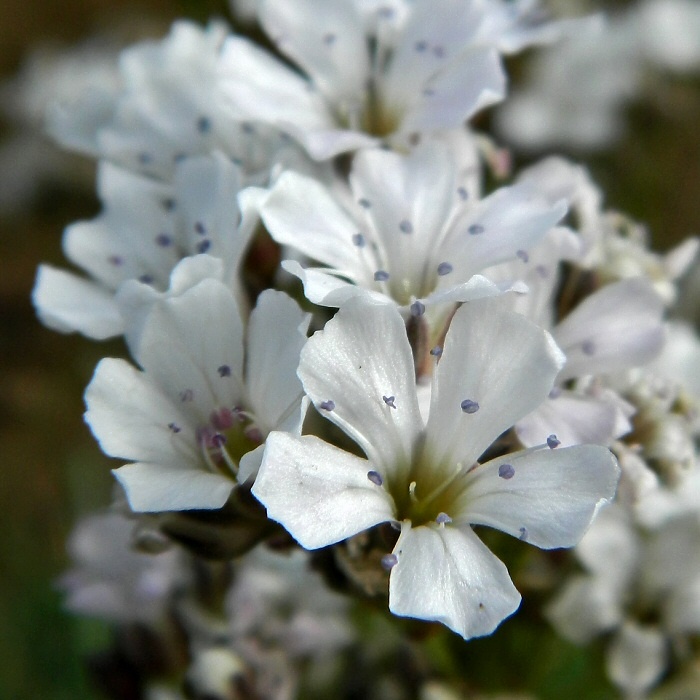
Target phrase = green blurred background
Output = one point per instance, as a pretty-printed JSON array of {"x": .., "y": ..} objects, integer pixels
[{"x": 52, "y": 471}]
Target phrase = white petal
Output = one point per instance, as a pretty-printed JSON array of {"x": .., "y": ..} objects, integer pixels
[
  {"x": 68, "y": 303},
  {"x": 617, "y": 327},
  {"x": 474, "y": 81},
  {"x": 324, "y": 289},
  {"x": 575, "y": 420},
  {"x": 276, "y": 335},
  {"x": 447, "y": 574},
  {"x": 320, "y": 493},
  {"x": 511, "y": 219},
  {"x": 497, "y": 359},
  {"x": 187, "y": 339},
  {"x": 301, "y": 213},
  {"x": 155, "y": 488},
  {"x": 129, "y": 416},
  {"x": 344, "y": 364},
  {"x": 418, "y": 191},
  {"x": 548, "y": 496},
  {"x": 637, "y": 657},
  {"x": 326, "y": 38},
  {"x": 257, "y": 86}
]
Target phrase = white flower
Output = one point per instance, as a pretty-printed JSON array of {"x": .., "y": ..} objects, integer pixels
[
  {"x": 496, "y": 367},
  {"x": 412, "y": 235},
  {"x": 193, "y": 419},
  {"x": 110, "y": 580},
  {"x": 655, "y": 576},
  {"x": 374, "y": 70},
  {"x": 166, "y": 109},
  {"x": 144, "y": 230}
]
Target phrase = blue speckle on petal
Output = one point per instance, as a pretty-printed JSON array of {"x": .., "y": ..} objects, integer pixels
[
  {"x": 327, "y": 405},
  {"x": 389, "y": 401},
  {"x": 444, "y": 268},
  {"x": 506, "y": 471},
  {"x": 469, "y": 406},
  {"x": 224, "y": 371},
  {"x": 552, "y": 441},
  {"x": 475, "y": 229},
  {"x": 381, "y": 276},
  {"x": 375, "y": 477}
]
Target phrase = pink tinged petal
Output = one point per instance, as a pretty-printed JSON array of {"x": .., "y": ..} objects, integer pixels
[
  {"x": 447, "y": 574},
  {"x": 472, "y": 82},
  {"x": 67, "y": 303},
  {"x": 153, "y": 488},
  {"x": 187, "y": 339},
  {"x": 301, "y": 213},
  {"x": 547, "y": 497},
  {"x": 497, "y": 359},
  {"x": 575, "y": 420},
  {"x": 637, "y": 657},
  {"x": 276, "y": 335},
  {"x": 617, "y": 327},
  {"x": 509, "y": 220},
  {"x": 586, "y": 607},
  {"x": 342, "y": 363},
  {"x": 320, "y": 493},
  {"x": 327, "y": 39},
  {"x": 130, "y": 417}
]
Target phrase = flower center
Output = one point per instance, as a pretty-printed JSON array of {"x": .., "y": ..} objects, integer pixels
[{"x": 229, "y": 435}]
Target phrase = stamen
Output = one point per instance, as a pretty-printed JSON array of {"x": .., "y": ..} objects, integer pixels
[
  {"x": 204, "y": 125},
  {"x": 389, "y": 401},
  {"x": 389, "y": 561},
  {"x": 469, "y": 406},
  {"x": 375, "y": 477},
  {"x": 412, "y": 492},
  {"x": 443, "y": 518},
  {"x": 381, "y": 276},
  {"x": 506, "y": 471},
  {"x": 222, "y": 418},
  {"x": 552, "y": 441},
  {"x": 436, "y": 351},
  {"x": 417, "y": 308}
]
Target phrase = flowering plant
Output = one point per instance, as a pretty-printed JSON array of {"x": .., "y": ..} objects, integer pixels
[{"x": 483, "y": 356}]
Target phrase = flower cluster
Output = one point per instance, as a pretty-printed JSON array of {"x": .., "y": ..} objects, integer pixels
[{"x": 475, "y": 361}]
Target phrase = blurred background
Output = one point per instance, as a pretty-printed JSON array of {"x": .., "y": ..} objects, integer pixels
[{"x": 52, "y": 470}]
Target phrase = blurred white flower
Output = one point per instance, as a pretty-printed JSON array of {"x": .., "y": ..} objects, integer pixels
[
  {"x": 144, "y": 230},
  {"x": 375, "y": 70},
  {"x": 109, "y": 579}
]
